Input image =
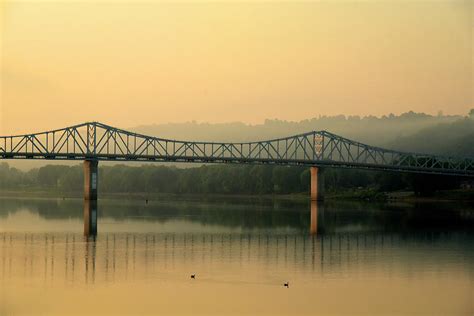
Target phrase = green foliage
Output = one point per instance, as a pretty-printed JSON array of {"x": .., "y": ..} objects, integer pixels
[
  {"x": 212, "y": 179},
  {"x": 448, "y": 138}
]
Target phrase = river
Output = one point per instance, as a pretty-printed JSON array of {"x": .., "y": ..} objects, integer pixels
[{"x": 337, "y": 258}]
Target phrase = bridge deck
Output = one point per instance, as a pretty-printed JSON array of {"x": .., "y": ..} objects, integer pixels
[{"x": 97, "y": 141}]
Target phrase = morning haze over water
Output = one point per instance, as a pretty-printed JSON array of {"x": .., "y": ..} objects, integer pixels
[{"x": 236, "y": 158}]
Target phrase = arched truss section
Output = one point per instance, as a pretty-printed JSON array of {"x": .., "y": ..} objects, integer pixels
[{"x": 318, "y": 148}]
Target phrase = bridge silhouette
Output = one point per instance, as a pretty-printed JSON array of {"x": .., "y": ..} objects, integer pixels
[
  {"x": 93, "y": 142},
  {"x": 97, "y": 141}
]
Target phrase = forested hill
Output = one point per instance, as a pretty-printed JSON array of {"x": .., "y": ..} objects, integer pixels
[
  {"x": 456, "y": 138},
  {"x": 372, "y": 130}
]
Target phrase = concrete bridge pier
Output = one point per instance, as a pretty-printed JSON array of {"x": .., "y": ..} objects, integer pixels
[
  {"x": 91, "y": 176},
  {"x": 317, "y": 184}
]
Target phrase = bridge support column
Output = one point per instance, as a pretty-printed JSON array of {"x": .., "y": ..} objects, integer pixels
[
  {"x": 317, "y": 184},
  {"x": 91, "y": 177}
]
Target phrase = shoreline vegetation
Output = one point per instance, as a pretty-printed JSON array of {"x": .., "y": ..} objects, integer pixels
[{"x": 228, "y": 180}]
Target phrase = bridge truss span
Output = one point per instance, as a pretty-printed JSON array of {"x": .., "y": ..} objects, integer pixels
[{"x": 97, "y": 141}]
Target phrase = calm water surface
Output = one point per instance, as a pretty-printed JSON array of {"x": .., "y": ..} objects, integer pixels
[{"x": 339, "y": 258}]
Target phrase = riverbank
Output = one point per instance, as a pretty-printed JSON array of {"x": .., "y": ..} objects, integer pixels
[
  {"x": 51, "y": 194},
  {"x": 352, "y": 194},
  {"x": 442, "y": 195},
  {"x": 375, "y": 195}
]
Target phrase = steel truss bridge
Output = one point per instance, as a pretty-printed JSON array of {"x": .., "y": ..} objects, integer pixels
[{"x": 100, "y": 142}]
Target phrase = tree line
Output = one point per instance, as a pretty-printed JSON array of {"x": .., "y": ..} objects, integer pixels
[{"x": 211, "y": 179}]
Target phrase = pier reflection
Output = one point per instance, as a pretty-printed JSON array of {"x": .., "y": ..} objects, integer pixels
[
  {"x": 90, "y": 217},
  {"x": 313, "y": 229},
  {"x": 90, "y": 250},
  {"x": 193, "y": 216}
]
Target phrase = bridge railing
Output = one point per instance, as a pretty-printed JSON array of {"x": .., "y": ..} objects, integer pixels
[{"x": 99, "y": 141}]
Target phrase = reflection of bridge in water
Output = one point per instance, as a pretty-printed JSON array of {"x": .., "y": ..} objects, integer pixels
[
  {"x": 240, "y": 215},
  {"x": 115, "y": 256},
  {"x": 91, "y": 222},
  {"x": 90, "y": 218}
]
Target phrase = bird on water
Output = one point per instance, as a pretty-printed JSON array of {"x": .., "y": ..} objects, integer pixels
[
  {"x": 193, "y": 276},
  {"x": 287, "y": 284}
]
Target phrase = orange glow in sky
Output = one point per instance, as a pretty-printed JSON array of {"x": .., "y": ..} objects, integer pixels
[{"x": 139, "y": 63}]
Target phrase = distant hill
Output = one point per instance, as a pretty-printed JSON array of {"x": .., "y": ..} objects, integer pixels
[
  {"x": 370, "y": 129},
  {"x": 456, "y": 138}
]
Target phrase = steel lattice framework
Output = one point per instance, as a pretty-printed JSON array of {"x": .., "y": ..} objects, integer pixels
[{"x": 97, "y": 141}]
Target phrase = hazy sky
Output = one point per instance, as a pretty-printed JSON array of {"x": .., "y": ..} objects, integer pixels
[{"x": 126, "y": 63}]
